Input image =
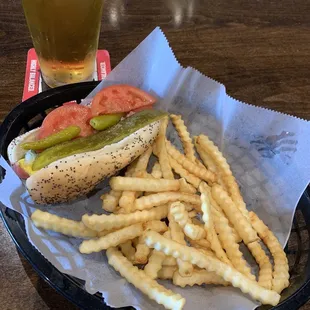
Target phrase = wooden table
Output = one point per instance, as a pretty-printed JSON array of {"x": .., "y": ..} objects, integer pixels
[{"x": 259, "y": 49}]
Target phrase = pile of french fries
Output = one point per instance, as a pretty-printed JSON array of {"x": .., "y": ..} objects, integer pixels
[{"x": 182, "y": 220}]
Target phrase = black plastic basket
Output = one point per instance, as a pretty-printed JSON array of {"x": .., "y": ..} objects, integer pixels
[{"x": 29, "y": 115}]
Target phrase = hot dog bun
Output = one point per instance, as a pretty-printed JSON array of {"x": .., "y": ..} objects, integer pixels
[
  {"x": 15, "y": 151},
  {"x": 76, "y": 175}
]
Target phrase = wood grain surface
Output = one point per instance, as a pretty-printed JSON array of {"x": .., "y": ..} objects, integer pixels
[{"x": 260, "y": 50}]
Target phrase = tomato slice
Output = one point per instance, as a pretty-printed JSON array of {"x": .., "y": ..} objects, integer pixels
[
  {"x": 69, "y": 103},
  {"x": 20, "y": 171},
  {"x": 146, "y": 107},
  {"x": 120, "y": 98},
  {"x": 64, "y": 116}
]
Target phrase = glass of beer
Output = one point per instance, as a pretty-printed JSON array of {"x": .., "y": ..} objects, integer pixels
[{"x": 65, "y": 36}]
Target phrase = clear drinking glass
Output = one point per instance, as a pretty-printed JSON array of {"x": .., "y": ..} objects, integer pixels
[{"x": 65, "y": 35}]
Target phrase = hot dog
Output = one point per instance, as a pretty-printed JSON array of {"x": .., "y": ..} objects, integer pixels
[{"x": 69, "y": 169}]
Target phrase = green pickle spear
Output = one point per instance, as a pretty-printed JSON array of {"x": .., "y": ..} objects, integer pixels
[
  {"x": 64, "y": 135},
  {"x": 98, "y": 140},
  {"x": 102, "y": 122}
]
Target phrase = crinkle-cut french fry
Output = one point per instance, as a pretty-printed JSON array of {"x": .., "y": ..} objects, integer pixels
[
  {"x": 234, "y": 192},
  {"x": 105, "y": 232},
  {"x": 113, "y": 239},
  {"x": 156, "y": 171},
  {"x": 156, "y": 150},
  {"x": 265, "y": 267},
  {"x": 143, "y": 175},
  {"x": 166, "y": 272},
  {"x": 110, "y": 200},
  {"x": 197, "y": 208},
  {"x": 225, "y": 172},
  {"x": 202, "y": 243},
  {"x": 241, "y": 224},
  {"x": 205, "y": 251},
  {"x": 154, "y": 264},
  {"x": 112, "y": 221},
  {"x": 237, "y": 238},
  {"x": 216, "y": 155},
  {"x": 135, "y": 241},
  {"x": 142, "y": 184},
  {"x": 177, "y": 209},
  {"x": 198, "y": 277},
  {"x": 169, "y": 261},
  {"x": 186, "y": 187},
  {"x": 131, "y": 168},
  {"x": 128, "y": 250},
  {"x": 138, "y": 167},
  {"x": 280, "y": 273},
  {"x": 197, "y": 222},
  {"x": 147, "y": 202},
  {"x": 62, "y": 225},
  {"x": 189, "y": 207},
  {"x": 168, "y": 232},
  {"x": 192, "y": 213},
  {"x": 142, "y": 252},
  {"x": 211, "y": 264},
  {"x": 195, "y": 232},
  {"x": 206, "y": 159},
  {"x": 207, "y": 189},
  {"x": 185, "y": 268},
  {"x": 155, "y": 225},
  {"x": 143, "y": 160},
  {"x": 229, "y": 244},
  {"x": 214, "y": 204},
  {"x": 182, "y": 172},
  {"x": 183, "y": 133},
  {"x": 161, "y": 151},
  {"x": 144, "y": 283},
  {"x": 200, "y": 172},
  {"x": 212, "y": 236},
  {"x": 120, "y": 210},
  {"x": 126, "y": 201},
  {"x": 200, "y": 164}
]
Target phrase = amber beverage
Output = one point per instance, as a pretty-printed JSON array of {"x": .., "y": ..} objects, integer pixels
[{"x": 65, "y": 36}]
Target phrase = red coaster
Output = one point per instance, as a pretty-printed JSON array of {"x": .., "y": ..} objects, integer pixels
[{"x": 33, "y": 80}]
